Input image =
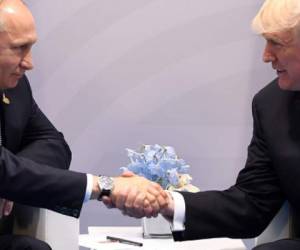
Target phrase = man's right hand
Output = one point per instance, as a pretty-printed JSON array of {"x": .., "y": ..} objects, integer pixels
[
  {"x": 6, "y": 207},
  {"x": 136, "y": 196}
]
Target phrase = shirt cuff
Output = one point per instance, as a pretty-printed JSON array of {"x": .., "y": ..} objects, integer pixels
[
  {"x": 179, "y": 212},
  {"x": 89, "y": 187}
]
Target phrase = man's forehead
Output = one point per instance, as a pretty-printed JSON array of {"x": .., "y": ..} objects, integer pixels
[
  {"x": 28, "y": 39},
  {"x": 282, "y": 36}
]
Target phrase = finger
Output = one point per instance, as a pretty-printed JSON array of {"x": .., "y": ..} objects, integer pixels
[
  {"x": 153, "y": 204},
  {"x": 151, "y": 198},
  {"x": 8, "y": 206},
  {"x": 134, "y": 203},
  {"x": 158, "y": 197},
  {"x": 131, "y": 196},
  {"x": 139, "y": 201},
  {"x": 164, "y": 194},
  {"x": 121, "y": 198},
  {"x": 155, "y": 209},
  {"x": 138, "y": 205},
  {"x": 148, "y": 211},
  {"x": 155, "y": 186},
  {"x": 163, "y": 202},
  {"x": 108, "y": 202},
  {"x": 156, "y": 190},
  {"x": 127, "y": 174},
  {"x": 168, "y": 211},
  {"x": 153, "y": 192}
]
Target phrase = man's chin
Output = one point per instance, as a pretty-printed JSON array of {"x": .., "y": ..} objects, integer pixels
[
  {"x": 286, "y": 84},
  {"x": 10, "y": 85}
]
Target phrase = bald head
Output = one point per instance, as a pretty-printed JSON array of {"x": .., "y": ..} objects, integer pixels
[{"x": 11, "y": 7}]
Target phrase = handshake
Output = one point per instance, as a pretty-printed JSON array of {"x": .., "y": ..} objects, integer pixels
[
  {"x": 138, "y": 197},
  {"x": 134, "y": 195}
]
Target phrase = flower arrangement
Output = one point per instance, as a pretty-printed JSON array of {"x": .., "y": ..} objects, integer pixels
[{"x": 162, "y": 165}]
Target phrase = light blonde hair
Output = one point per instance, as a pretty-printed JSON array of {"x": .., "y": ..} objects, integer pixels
[{"x": 277, "y": 16}]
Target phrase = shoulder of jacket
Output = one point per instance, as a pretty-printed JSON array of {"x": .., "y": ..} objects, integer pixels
[{"x": 268, "y": 93}]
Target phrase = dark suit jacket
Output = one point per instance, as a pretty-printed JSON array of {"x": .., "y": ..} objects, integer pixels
[
  {"x": 34, "y": 156},
  {"x": 271, "y": 175}
]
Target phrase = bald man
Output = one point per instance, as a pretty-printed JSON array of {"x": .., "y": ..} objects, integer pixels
[{"x": 33, "y": 154}]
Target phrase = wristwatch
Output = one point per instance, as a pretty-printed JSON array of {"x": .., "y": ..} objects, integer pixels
[{"x": 106, "y": 184}]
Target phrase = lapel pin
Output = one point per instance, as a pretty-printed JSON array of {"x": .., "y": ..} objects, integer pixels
[{"x": 5, "y": 99}]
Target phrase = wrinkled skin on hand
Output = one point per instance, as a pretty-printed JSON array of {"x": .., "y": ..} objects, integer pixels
[{"x": 136, "y": 196}]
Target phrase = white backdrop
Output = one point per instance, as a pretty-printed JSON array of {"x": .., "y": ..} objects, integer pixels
[{"x": 113, "y": 74}]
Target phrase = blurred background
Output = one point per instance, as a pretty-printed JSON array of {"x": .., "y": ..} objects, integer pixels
[{"x": 115, "y": 74}]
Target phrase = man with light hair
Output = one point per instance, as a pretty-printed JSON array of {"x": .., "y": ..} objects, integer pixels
[{"x": 272, "y": 172}]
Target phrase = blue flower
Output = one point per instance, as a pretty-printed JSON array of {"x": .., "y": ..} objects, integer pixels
[{"x": 157, "y": 163}]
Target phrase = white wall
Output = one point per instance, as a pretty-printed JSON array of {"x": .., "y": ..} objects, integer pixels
[{"x": 113, "y": 74}]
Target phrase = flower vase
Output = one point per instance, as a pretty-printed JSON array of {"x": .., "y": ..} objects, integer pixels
[{"x": 157, "y": 227}]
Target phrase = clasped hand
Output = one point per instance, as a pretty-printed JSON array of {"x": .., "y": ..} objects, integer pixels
[
  {"x": 6, "y": 207},
  {"x": 137, "y": 197}
]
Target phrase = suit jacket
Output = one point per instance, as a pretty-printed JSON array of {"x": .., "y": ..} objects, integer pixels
[
  {"x": 271, "y": 174},
  {"x": 34, "y": 156}
]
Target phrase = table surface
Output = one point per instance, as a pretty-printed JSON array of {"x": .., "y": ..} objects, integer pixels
[{"x": 96, "y": 239}]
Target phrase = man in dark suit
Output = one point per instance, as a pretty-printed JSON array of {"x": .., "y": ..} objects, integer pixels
[
  {"x": 272, "y": 172},
  {"x": 33, "y": 154}
]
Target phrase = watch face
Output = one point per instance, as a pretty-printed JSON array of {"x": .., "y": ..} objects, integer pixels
[{"x": 105, "y": 183}]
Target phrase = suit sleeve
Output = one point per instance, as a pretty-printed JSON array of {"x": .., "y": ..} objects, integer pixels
[
  {"x": 245, "y": 209},
  {"x": 30, "y": 183},
  {"x": 41, "y": 142},
  {"x": 33, "y": 172}
]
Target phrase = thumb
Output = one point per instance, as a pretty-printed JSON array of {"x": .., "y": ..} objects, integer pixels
[{"x": 127, "y": 174}]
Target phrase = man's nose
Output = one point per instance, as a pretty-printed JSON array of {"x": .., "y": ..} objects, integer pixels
[
  {"x": 268, "y": 55},
  {"x": 27, "y": 62}
]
